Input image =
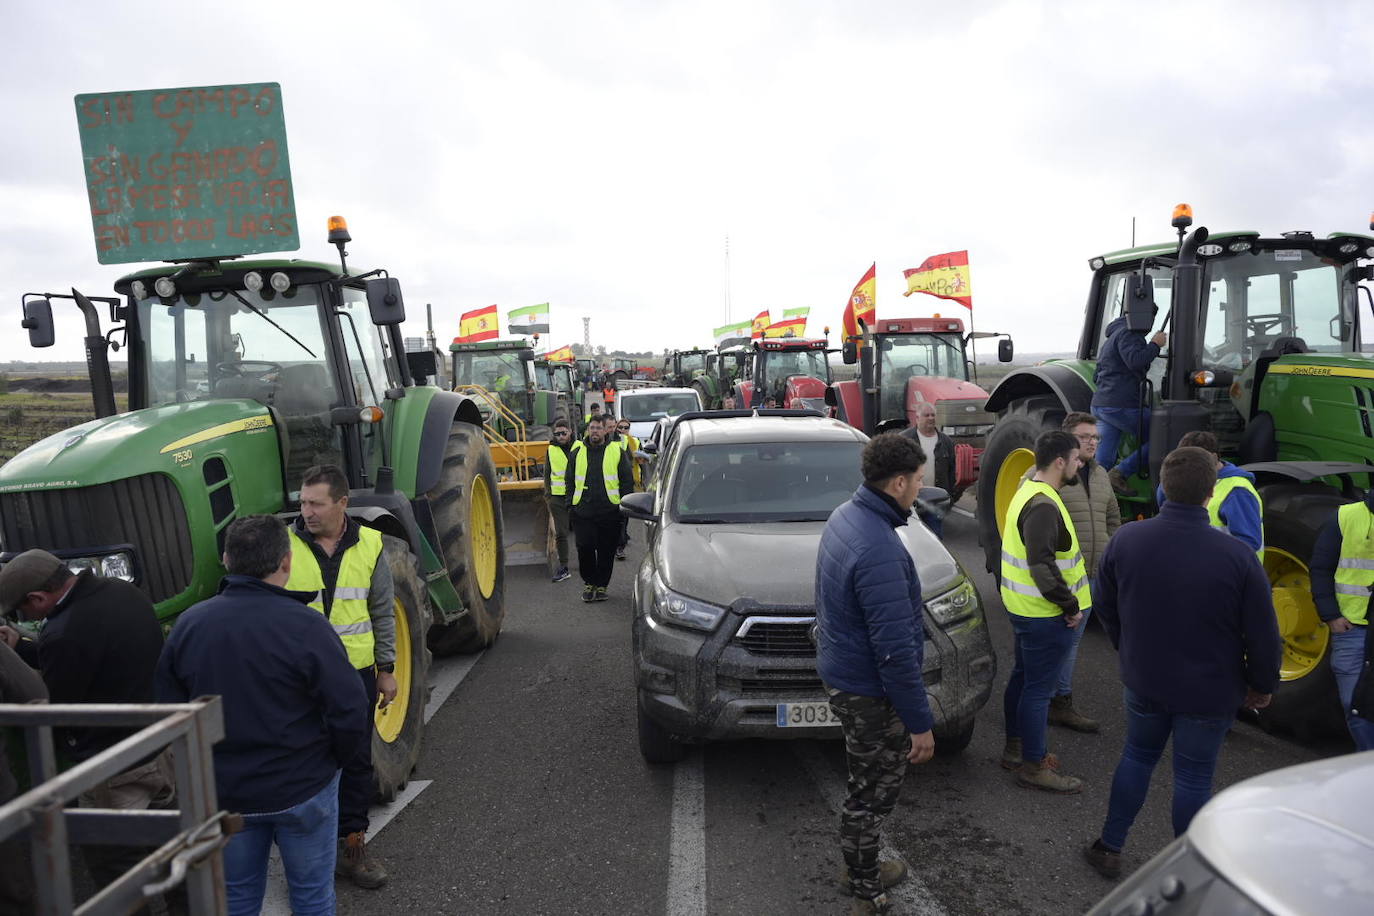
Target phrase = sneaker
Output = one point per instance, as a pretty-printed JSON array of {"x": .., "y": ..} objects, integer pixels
[
  {"x": 589, "y": 593},
  {"x": 1011, "y": 754},
  {"x": 600, "y": 593},
  {"x": 620, "y": 553},
  {"x": 1044, "y": 775},
  {"x": 1063, "y": 713},
  {"x": 890, "y": 874},
  {"x": 1119, "y": 482},
  {"x": 862, "y": 907},
  {"x": 355, "y": 864},
  {"x": 562, "y": 574},
  {"x": 1103, "y": 860}
]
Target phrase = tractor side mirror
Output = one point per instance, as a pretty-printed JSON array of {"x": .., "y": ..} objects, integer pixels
[
  {"x": 526, "y": 356},
  {"x": 1004, "y": 350},
  {"x": 38, "y": 321},
  {"x": 831, "y": 400},
  {"x": 1140, "y": 302},
  {"x": 422, "y": 364},
  {"x": 849, "y": 353},
  {"x": 384, "y": 301}
]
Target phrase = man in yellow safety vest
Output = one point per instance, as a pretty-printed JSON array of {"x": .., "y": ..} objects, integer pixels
[
  {"x": 341, "y": 561},
  {"x": 1342, "y": 584},
  {"x": 1235, "y": 506},
  {"x": 600, "y": 474},
  {"x": 1045, "y": 590},
  {"x": 633, "y": 449},
  {"x": 556, "y": 489}
]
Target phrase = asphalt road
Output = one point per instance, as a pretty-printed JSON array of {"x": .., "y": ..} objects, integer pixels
[{"x": 531, "y": 796}]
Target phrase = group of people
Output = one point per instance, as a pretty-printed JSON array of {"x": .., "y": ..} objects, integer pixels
[
  {"x": 1182, "y": 597},
  {"x": 300, "y": 644}
]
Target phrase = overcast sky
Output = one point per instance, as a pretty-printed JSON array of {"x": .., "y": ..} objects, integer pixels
[{"x": 597, "y": 154}]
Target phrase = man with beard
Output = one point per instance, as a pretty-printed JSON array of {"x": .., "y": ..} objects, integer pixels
[{"x": 1045, "y": 590}]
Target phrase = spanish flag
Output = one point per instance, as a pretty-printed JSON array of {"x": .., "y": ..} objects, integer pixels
[
  {"x": 481, "y": 324},
  {"x": 788, "y": 327},
  {"x": 561, "y": 355},
  {"x": 862, "y": 305},
  {"x": 761, "y": 322},
  {"x": 943, "y": 275}
]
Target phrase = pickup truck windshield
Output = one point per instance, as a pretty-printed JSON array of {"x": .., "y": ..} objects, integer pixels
[{"x": 765, "y": 482}]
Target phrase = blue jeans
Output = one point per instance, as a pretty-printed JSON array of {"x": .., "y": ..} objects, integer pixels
[
  {"x": 1041, "y": 646},
  {"x": 1197, "y": 744},
  {"x": 1347, "y": 657},
  {"x": 1065, "y": 685},
  {"x": 307, "y": 836},
  {"x": 1112, "y": 424}
]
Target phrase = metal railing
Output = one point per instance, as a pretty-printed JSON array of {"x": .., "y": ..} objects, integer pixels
[{"x": 188, "y": 840}]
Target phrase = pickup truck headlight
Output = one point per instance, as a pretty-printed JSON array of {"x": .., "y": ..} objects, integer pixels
[
  {"x": 679, "y": 610},
  {"x": 954, "y": 605}
]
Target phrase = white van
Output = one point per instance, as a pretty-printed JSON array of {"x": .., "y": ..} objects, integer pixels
[{"x": 644, "y": 407}]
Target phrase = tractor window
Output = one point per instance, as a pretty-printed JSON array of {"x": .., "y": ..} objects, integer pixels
[
  {"x": 913, "y": 356},
  {"x": 1251, "y": 301},
  {"x": 368, "y": 368}
]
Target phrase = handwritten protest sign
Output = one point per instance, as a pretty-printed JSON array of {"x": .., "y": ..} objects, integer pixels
[{"x": 175, "y": 174}]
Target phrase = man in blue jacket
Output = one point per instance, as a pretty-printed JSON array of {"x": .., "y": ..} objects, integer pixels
[
  {"x": 294, "y": 713},
  {"x": 1190, "y": 613},
  {"x": 869, "y": 643},
  {"x": 1122, "y": 364},
  {"x": 1235, "y": 506}
]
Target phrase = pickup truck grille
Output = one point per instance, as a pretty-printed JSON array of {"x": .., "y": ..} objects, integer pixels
[
  {"x": 778, "y": 639},
  {"x": 145, "y": 511},
  {"x": 775, "y": 682}
]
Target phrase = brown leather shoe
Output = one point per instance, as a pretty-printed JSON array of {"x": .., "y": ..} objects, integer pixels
[
  {"x": 1063, "y": 713},
  {"x": 890, "y": 873},
  {"x": 1105, "y": 862},
  {"x": 1044, "y": 775},
  {"x": 356, "y": 865}
]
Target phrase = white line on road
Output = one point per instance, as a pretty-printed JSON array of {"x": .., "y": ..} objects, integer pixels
[
  {"x": 687, "y": 843},
  {"x": 914, "y": 896},
  {"x": 444, "y": 676},
  {"x": 964, "y": 512}
]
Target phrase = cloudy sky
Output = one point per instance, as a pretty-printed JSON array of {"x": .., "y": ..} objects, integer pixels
[{"x": 596, "y": 155}]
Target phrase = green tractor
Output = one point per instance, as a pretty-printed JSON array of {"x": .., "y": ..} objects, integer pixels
[
  {"x": 1264, "y": 351},
  {"x": 621, "y": 370},
  {"x": 243, "y": 374},
  {"x": 514, "y": 402},
  {"x": 682, "y": 369}
]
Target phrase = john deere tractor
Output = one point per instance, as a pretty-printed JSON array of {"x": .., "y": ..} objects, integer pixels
[
  {"x": 682, "y": 367},
  {"x": 243, "y": 374},
  {"x": 1264, "y": 350},
  {"x": 500, "y": 374}
]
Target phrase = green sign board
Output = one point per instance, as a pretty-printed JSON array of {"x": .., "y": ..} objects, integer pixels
[{"x": 176, "y": 174}]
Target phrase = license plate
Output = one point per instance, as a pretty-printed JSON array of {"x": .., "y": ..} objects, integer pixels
[{"x": 805, "y": 715}]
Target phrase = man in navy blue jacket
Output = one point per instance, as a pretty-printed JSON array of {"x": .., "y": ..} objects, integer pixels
[
  {"x": 1190, "y": 613},
  {"x": 869, "y": 640},
  {"x": 1122, "y": 365},
  {"x": 294, "y": 712}
]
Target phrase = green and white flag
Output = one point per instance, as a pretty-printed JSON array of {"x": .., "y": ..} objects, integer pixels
[
  {"x": 532, "y": 319},
  {"x": 738, "y": 333},
  {"x": 802, "y": 312}
]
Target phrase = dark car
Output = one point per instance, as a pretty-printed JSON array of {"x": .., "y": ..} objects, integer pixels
[{"x": 724, "y": 599}]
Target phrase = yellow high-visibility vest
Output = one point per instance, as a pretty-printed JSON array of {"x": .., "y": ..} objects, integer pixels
[
  {"x": 610, "y": 471},
  {"x": 632, "y": 446},
  {"x": 558, "y": 471},
  {"x": 1355, "y": 571},
  {"x": 1223, "y": 489},
  {"x": 348, "y": 614},
  {"x": 1020, "y": 594}
]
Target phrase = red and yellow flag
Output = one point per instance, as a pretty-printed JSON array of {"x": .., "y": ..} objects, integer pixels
[
  {"x": 788, "y": 327},
  {"x": 863, "y": 303},
  {"x": 761, "y": 322},
  {"x": 480, "y": 324},
  {"x": 943, "y": 275},
  {"x": 561, "y": 355}
]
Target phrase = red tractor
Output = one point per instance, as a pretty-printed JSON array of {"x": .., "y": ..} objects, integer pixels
[
  {"x": 793, "y": 371},
  {"x": 907, "y": 361}
]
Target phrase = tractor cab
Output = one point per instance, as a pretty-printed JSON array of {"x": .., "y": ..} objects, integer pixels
[
  {"x": 555, "y": 376},
  {"x": 682, "y": 367},
  {"x": 500, "y": 376},
  {"x": 792, "y": 372}
]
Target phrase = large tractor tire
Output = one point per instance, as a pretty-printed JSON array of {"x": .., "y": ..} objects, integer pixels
[
  {"x": 1306, "y": 704},
  {"x": 1009, "y": 453},
  {"x": 467, "y": 514},
  {"x": 400, "y": 726}
]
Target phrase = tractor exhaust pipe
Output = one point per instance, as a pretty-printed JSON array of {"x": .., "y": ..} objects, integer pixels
[{"x": 97, "y": 359}]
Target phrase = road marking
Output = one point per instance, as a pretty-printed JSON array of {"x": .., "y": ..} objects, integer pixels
[
  {"x": 912, "y": 896},
  {"x": 964, "y": 512},
  {"x": 687, "y": 842},
  {"x": 444, "y": 675}
]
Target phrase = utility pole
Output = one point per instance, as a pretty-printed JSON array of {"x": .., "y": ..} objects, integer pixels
[{"x": 587, "y": 334}]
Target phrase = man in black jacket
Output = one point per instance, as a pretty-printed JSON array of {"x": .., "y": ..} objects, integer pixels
[
  {"x": 295, "y": 712},
  {"x": 18, "y": 684},
  {"x": 600, "y": 475},
  {"x": 99, "y": 644},
  {"x": 1189, "y": 610}
]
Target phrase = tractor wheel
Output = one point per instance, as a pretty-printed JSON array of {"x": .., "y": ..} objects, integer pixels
[
  {"x": 539, "y": 433},
  {"x": 1009, "y": 453},
  {"x": 467, "y": 513},
  {"x": 706, "y": 402},
  {"x": 1306, "y": 704},
  {"x": 620, "y": 375},
  {"x": 400, "y": 726},
  {"x": 953, "y": 738}
]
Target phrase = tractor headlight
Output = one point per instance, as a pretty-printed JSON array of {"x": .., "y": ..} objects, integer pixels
[
  {"x": 111, "y": 565},
  {"x": 679, "y": 610},
  {"x": 954, "y": 605}
]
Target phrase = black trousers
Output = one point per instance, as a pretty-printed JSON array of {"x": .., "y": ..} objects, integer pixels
[
  {"x": 355, "y": 780},
  {"x": 597, "y": 538}
]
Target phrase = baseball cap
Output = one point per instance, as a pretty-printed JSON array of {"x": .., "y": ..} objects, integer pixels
[{"x": 26, "y": 573}]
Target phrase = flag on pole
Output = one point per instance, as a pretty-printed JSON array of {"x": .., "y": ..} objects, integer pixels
[
  {"x": 796, "y": 318},
  {"x": 761, "y": 321},
  {"x": 733, "y": 333},
  {"x": 479, "y": 324},
  {"x": 862, "y": 303},
  {"x": 561, "y": 355},
  {"x": 943, "y": 275},
  {"x": 802, "y": 312},
  {"x": 532, "y": 319},
  {"x": 788, "y": 327}
]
